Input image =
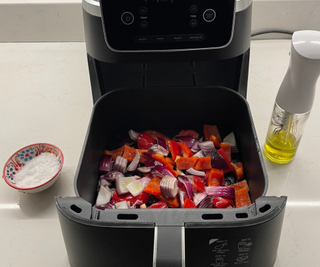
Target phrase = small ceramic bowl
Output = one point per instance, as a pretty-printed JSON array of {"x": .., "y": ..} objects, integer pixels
[{"x": 24, "y": 155}]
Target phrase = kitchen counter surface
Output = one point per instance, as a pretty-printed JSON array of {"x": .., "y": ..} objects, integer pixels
[{"x": 45, "y": 96}]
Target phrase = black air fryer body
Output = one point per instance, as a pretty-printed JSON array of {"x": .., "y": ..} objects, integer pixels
[{"x": 148, "y": 60}]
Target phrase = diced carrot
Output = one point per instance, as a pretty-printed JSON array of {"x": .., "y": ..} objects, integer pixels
[
  {"x": 114, "y": 153},
  {"x": 209, "y": 130},
  {"x": 188, "y": 133},
  {"x": 239, "y": 185},
  {"x": 153, "y": 186},
  {"x": 238, "y": 169},
  {"x": 215, "y": 140},
  {"x": 203, "y": 164},
  {"x": 186, "y": 152},
  {"x": 129, "y": 153},
  {"x": 185, "y": 163},
  {"x": 242, "y": 198},
  {"x": 171, "y": 169},
  {"x": 163, "y": 159},
  {"x": 227, "y": 149},
  {"x": 214, "y": 177},
  {"x": 174, "y": 149},
  {"x": 171, "y": 202}
]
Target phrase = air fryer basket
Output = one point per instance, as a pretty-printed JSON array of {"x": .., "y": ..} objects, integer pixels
[{"x": 247, "y": 236}]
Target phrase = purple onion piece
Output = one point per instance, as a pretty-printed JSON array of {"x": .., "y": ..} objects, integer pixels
[
  {"x": 198, "y": 197},
  {"x": 156, "y": 149},
  {"x": 189, "y": 140},
  {"x": 162, "y": 145},
  {"x": 144, "y": 169},
  {"x": 122, "y": 182},
  {"x": 195, "y": 147},
  {"x": 199, "y": 154},
  {"x": 206, "y": 147},
  {"x": 150, "y": 164},
  {"x": 133, "y": 135},
  {"x": 220, "y": 191},
  {"x": 169, "y": 186},
  {"x": 104, "y": 196},
  {"x": 206, "y": 203},
  {"x": 105, "y": 164},
  {"x": 145, "y": 181},
  {"x": 134, "y": 163},
  {"x": 120, "y": 164},
  {"x": 161, "y": 171},
  {"x": 196, "y": 172},
  {"x": 148, "y": 155},
  {"x": 217, "y": 161},
  {"x": 188, "y": 185},
  {"x": 182, "y": 196},
  {"x": 111, "y": 176}
]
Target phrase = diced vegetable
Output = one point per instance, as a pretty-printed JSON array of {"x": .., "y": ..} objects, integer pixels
[
  {"x": 122, "y": 182},
  {"x": 105, "y": 164},
  {"x": 153, "y": 187},
  {"x": 209, "y": 130},
  {"x": 189, "y": 204},
  {"x": 129, "y": 153},
  {"x": 242, "y": 198},
  {"x": 184, "y": 172},
  {"x": 135, "y": 187},
  {"x": 203, "y": 164},
  {"x": 169, "y": 186},
  {"x": 174, "y": 149},
  {"x": 145, "y": 141},
  {"x": 159, "y": 205},
  {"x": 185, "y": 150},
  {"x": 185, "y": 163},
  {"x": 114, "y": 153},
  {"x": 215, "y": 177}
]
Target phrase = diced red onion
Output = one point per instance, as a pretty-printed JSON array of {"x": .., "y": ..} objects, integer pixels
[
  {"x": 195, "y": 147},
  {"x": 144, "y": 169},
  {"x": 162, "y": 146},
  {"x": 150, "y": 164},
  {"x": 206, "y": 203},
  {"x": 134, "y": 163},
  {"x": 104, "y": 196},
  {"x": 198, "y": 197},
  {"x": 122, "y": 182},
  {"x": 111, "y": 176},
  {"x": 187, "y": 184},
  {"x": 220, "y": 191},
  {"x": 161, "y": 171},
  {"x": 189, "y": 140},
  {"x": 122, "y": 205},
  {"x": 145, "y": 181},
  {"x": 133, "y": 135},
  {"x": 156, "y": 149},
  {"x": 105, "y": 164},
  {"x": 148, "y": 155},
  {"x": 169, "y": 186},
  {"x": 120, "y": 164},
  {"x": 135, "y": 187},
  {"x": 217, "y": 161},
  {"x": 104, "y": 182},
  {"x": 182, "y": 197},
  {"x": 206, "y": 147},
  {"x": 196, "y": 172},
  {"x": 199, "y": 154}
]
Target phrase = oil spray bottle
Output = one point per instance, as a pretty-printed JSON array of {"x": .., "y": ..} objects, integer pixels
[{"x": 295, "y": 98}]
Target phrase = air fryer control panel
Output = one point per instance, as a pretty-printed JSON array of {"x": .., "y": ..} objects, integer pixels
[{"x": 131, "y": 25}]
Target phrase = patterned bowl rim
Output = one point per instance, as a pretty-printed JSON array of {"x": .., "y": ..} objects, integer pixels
[{"x": 31, "y": 188}]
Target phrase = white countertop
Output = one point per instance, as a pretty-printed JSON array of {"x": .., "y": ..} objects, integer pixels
[{"x": 45, "y": 96}]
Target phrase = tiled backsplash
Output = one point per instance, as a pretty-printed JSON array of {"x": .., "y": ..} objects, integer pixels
[{"x": 61, "y": 20}]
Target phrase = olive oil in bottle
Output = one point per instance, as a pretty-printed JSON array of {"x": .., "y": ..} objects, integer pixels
[{"x": 294, "y": 99}]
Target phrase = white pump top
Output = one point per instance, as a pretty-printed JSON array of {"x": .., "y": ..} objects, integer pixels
[{"x": 296, "y": 93}]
